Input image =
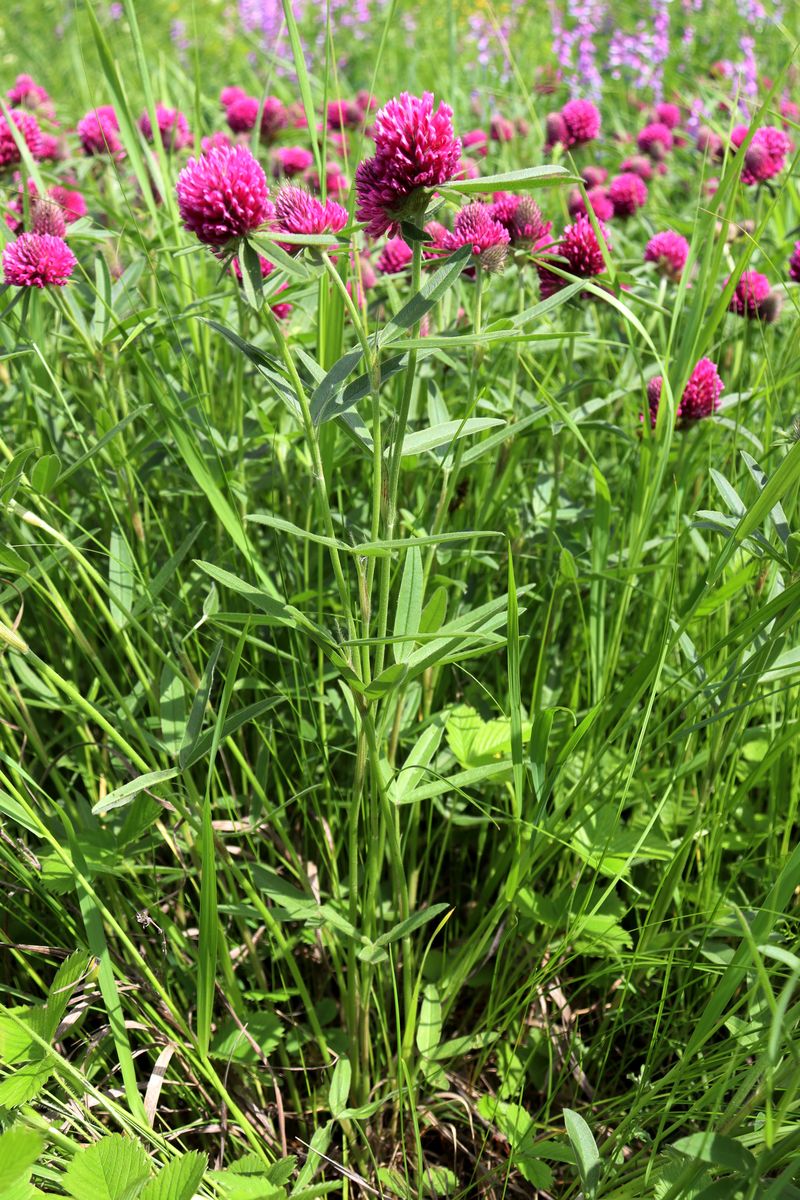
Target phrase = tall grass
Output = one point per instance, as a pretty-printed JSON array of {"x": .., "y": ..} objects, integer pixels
[{"x": 398, "y": 767}]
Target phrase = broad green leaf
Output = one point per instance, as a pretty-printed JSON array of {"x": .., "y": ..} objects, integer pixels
[
  {"x": 45, "y": 473},
  {"x": 340, "y": 1087},
  {"x": 424, "y": 300},
  {"x": 409, "y": 604},
  {"x": 120, "y": 579},
  {"x": 178, "y": 1180},
  {"x": 716, "y": 1149},
  {"x": 516, "y": 181},
  {"x": 172, "y": 708},
  {"x": 197, "y": 714},
  {"x": 415, "y": 921},
  {"x": 231, "y": 1044},
  {"x": 127, "y": 792},
  {"x": 19, "y": 1149},
  {"x": 429, "y": 1024},
  {"x": 586, "y": 1153},
  {"x": 115, "y": 1168},
  {"x": 445, "y": 434}
]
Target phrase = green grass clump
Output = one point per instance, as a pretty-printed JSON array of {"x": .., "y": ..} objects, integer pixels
[{"x": 398, "y": 736}]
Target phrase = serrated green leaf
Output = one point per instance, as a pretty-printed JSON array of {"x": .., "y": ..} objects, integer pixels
[
  {"x": 115, "y": 1168},
  {"x": 178, "y": 1180},
  {"x": 19, "y": 1149}
]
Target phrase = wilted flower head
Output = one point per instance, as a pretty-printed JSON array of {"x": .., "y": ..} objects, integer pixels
[
  {"x": 395, "y": 257},
  {"x": 29, "y": 131},
  {"x": 292, "y": 160},
  {"x": 598, "y": 199},
  {"x": 416, "y": 149},
  {"x": 223, "y": 195},
  {"x": 99, "y": 132},
  {"x": 297, "y": 211},
  {"x": 668, "y": 114},
  {"x": 752, "y": 297},
  {"x": 474, "y": 226},
  {"x": 48, "y": 217},
  {"x": 794, "y": 263},
  {"x": 38, "y": 260},
  {"x": 579, "y": 253},
  {"x": 627, "y": 192},
  {"x": 172, "y": 125},
  {"x": 582, "y": 121},
  {"x": 700, "y": 396},
  {"x": 669, "y": 251}
]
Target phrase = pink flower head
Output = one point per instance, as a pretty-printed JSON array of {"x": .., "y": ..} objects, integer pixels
[
  {"x": 48, "y": 217},
  {"x": 242, "y": 113},
  {"x": 416, "y": 149},
  {"x": 280, "y": 309},
  {"x": 51, "y": 148},
  {"x": 476, "y": 141},
  {"x": 297, "y": 211},
  {"x": 38, "y": 260},
  {"x": 29, "y": 131},
  {"x": 501, "y": 129},
  {"x": 655, "y": 140},
  {"x": 172, "y": 126},
  {"x": 99, "y": 132},
  {"x": 366, "y": 101},
  {"x": 223, "y": 195},
  {"x": 395, "y": 257},
  {"x": 794, "y": 263},
  {"x": 598, "y": 199},
  {"x": 229, "y": 94},
  {"x": 336, "y": 184},
  {"x": 751, "y": 297},
  {"x": 594, "y": 176},
  {"x": 474, "y": 226},
  {"x": 579, "y": 252},
  {"x": 467, "y": 169},
  {"x": 669, "y": 251},
  {"x": 710, "y": 143},
  {"x": 72, "y": 203},
  {"x": 274, "y": 118},
  {"x": 582, "y": 121},
  {"x": 215, "y": 141},
  {"x": 668, "y": 114},
  {"x": 790, "y": 112},
  {"x": 27, "y": 93},
  {"x": 700, "y": 396},
  {"x": 555, "y": 131},
  {"x": 344, "y": 114},
  {"x": 292, "y": 160},
  {"x": 640, "y": 164},
  {"x": 765, "y": 157},
  {"x": 437, "y": 234},
  {"x": 627, "y": 192}
]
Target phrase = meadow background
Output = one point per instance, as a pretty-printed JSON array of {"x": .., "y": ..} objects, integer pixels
[{"x": 417, "y": 821}]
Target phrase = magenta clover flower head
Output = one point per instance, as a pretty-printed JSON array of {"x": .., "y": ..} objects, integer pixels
[
  {"x": 274, "y": 118},
  {"x": 582, "y": 121},
  {"x": 579, "y": 253},
  {"x": 594, "y": 176},
  {"x": 38, "y": 260},
  {"x": 467, "y": 169},
  {"x": 501, "y": 129},
  {"x": 700, "y": 396},
  {"x": 752, "y": 297},
  {"x": 655, "y": 140},
  {"x": 27, "y": 93},
  {"x": 216, "y": 140},
  {"x": 242, "y": 113},
  {"x": 555, "y": 131},
  {"x": 668, "y": 114},
  {"x": 640, "y": 164},
  {"x": 475, "y": 226},
  {"x": 598, "y": 199},
  {"x": 437, "y": 232},
  {"x": 794, "y": 263},
  {"x": 415, "y": 150},
  {"x": 223, "y": 195},
  {"x": 172, "y": 125},
  {"x": 48, "y": 217},
  {"x": 28, "y": 128},
  {"x": 669, "y": 251},
  {"x": 765, "y": 157},
  {"x": 99, "y": 132},
  {"x": 710, "y": 143},
  {"x": 395, "y": 257},
  {"x": 229, "y": 94},
  {"x": 627, "y": 192},
  {"x": 297, "y": 211},
  {"x": 71, "y": 202},
  {"x": 292, "y": 160},
  {"x": 476, "y": 141},
  {"x": 344, "y": 114}
]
